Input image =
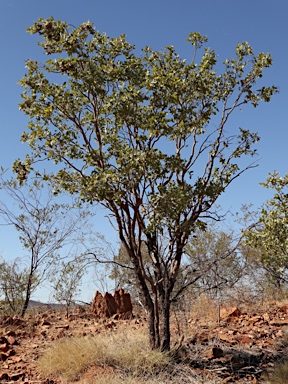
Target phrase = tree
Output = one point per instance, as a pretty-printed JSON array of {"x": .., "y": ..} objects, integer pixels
[
  {"x": 13, "y": 285},
  {"x": 140, "y": 136},
  {"x": 66, "y": 283},
  {"x": 44, "y": 227},
  {"x": 268, "y": 236},
  {"x": 212, "y": 260},
  {"x": 215, "y": 258}
]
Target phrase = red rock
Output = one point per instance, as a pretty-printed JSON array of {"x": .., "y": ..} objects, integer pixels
[
  {"x": 227, "y": 338},
  {"x": 230, "y": 313},
  {"x": 4, "y": 376},
  {"x": 12, "y": 340},
  {"x": 111, "y": 304},
  {"x": 123, "y": 301},
  {"x": 279, "y": 333},
  {"x": 255, "y": 319},
  {"x": 245, "y": 340},
  {"x": 108, "y": 305},
  {"x": 4, "y": 348},
  {"x": 279, "y": 322},
  {"x": 214, "y": 353},
  {"x": 283, "y": 308},
  {"x": 15, "y": 359}
]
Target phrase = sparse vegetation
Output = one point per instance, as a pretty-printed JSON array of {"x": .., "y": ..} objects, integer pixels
[
  {"x": 129, "y": 353},
  {"x": 279, "y": 375},
  {"x": 118, "y": 357}
]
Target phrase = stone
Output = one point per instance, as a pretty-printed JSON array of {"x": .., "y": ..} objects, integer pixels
[
  {"x": 245, "y": 340},
  {"x": 214, "y": 353},
  {"x": 4, "y": 376},
  {"x": 279, "y": 322},
  {"x": 12, "y": 340},
  {"x": 229, "y": 314}
]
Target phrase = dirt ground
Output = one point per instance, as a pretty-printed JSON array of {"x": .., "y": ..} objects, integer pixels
[{"x": 239, "y": 346}]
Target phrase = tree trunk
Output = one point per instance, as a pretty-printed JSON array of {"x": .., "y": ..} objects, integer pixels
[
  {"x": 159, "y": 323},
  {"x": 164, "y": 316},
  {"x": 28, "y": 294}
]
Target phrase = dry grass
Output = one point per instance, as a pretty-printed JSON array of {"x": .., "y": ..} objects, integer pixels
[
  {"x": 183, "y": 376},
  {"x": 279, "y": 375},
  {"x": 116, "y": 358},
  {"x": 129, "y": 353},
  {"x": 204, "y": 309}
]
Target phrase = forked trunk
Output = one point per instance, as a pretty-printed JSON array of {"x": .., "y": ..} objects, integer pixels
[{"x": 159, "y": 322}]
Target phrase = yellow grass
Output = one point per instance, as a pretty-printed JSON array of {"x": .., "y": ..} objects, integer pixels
[
  {"x": 130, "y": 353},
  {"x": 279, "y": 375}
]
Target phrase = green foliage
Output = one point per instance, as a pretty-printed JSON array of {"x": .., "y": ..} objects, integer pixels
[
  {"x": 269, "y": 236},
  {"x": 212, "y": 261},
  {"x": 66, "y": 283},
  {"x": 13, "y": 284},
  {"x": 109, "y": 115},
  {"x": 44, "y": 227},
  {"x": 214, "y": 255},
  {"x": 122, "y": 271}
]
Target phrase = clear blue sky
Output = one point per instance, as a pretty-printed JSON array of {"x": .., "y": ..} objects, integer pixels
[{"x": 159, "y": 23}]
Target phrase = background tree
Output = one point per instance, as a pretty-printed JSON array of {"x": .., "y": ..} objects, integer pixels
[
  {"x": 268, "y": 236},
  {"x": 145, "y": 136},
  {"x": 213, "y": 260},
  {"x": 13, "y": 286},
  {"x": 44, "y": 227},
  {"x": 66, "y": 284}
]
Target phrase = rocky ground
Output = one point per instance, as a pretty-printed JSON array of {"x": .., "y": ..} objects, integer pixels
[{"x": 241, "y": 347}]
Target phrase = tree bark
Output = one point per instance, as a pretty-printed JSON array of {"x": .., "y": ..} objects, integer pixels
[
  {"x": 164, "y": 324},
  {"x": 28, "y": 294}
]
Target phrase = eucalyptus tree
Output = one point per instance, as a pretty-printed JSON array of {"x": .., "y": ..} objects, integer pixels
[
  {"x": 143, "y": 134},
  {"x": 66, "y": 283}
]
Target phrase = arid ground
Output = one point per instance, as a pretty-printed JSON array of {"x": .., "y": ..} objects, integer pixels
[{"x": 240, "y": 345}]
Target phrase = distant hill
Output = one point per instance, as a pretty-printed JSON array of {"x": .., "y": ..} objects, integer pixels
[{"x": 38, "y": 304}]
